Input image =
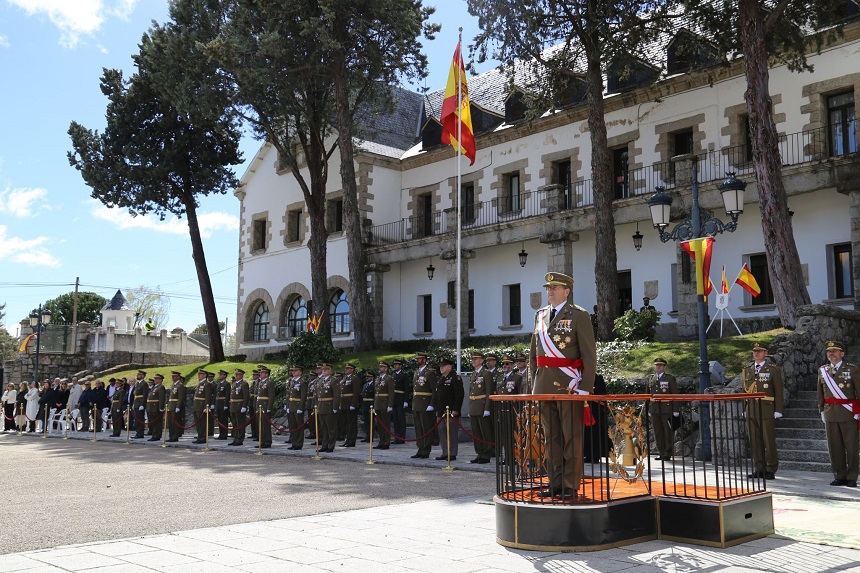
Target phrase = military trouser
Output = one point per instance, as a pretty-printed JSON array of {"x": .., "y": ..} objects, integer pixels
[
  {"x": 842, "y": 443},
  {"x": 423, "y": 422},
  {"x": 482, "y": 429},
  {"x": 175, "y": 423},
  {"x": 155, "y": 419},
  {"x": 223, "y": 416},
  {"x": 139, "y": 423},
  {"x": 398, "y": 415},
  {"x": 201, "y": 425},
  {"x": 327, "y": 431},
  {"x": 117, "y": 417},
  {"x": 297, "y": 437},
  {"x": 238, "y": 419},
  {"x": 383, "y": 426},
  {"x": 664, "y": 435}
]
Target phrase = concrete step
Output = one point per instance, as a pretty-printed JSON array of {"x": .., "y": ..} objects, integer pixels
[
  {"x": 793, "y": 422},
  {"x": 804, "y": 466},
  {"x": 805, "y": 403},
  {"x": 801, "y": 433},
  {"x": 813, "y": 445},
  {"x": 804, "y": 456},
  {"x": 802, "y": 412}
]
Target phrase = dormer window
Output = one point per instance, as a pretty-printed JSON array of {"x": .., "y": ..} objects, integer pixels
[
  {"x": 687, "y": 52},
  {"x": 628, "y": 73},
  {"x": 515, "y": 108},
  {"x": 571, "y": 92},
  {"x": 431, "y": 134}
]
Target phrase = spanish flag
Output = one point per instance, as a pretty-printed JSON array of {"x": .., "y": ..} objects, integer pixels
[
  {"x": 724, "y": 282},
  {"x": 748, "y": 282},
  {"x": 26, "y": 342},
  {"x": 700, "y": 250},
  {"x": 457, "y": 119}
]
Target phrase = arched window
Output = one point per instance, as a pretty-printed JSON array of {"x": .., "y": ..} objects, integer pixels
[
  {"x": 261, "y": 323},
  {"x": 338, "y": 312},
  {"x": 297, "y": 317}
]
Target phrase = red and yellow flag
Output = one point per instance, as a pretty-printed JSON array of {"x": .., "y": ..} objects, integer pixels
[
  {"x": 457, "y": 119},
  {"x": 25, "y": 343},
  {"x": 700, "y": 250},
  {"x": 724, "y": 282},
  {"x": 748, "y": 282},
  {"x": 314, "y": 322}
]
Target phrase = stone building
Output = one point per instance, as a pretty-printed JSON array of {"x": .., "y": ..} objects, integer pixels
[{"x": 526, "y": 204}]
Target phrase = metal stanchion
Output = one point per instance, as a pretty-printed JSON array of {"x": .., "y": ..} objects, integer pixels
[
  {"x": 449, "y": 467},
  {"x": 259, "y": 451},
  {"x": 45, "y": 425},
  {"x": 66, "y": 429},
  {"x": 206, "y": 433},
  {"x": 164, "y": 428},
  {"x": 317, "y": 431},
  {"x": 21, "y": 413},
  {"x": 370, "y": 461},
  {"x": 97, "y": 413},
  {"x": 127, "y": 424}
]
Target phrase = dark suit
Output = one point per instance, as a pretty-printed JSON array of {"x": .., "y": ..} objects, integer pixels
[
  {"x": 118, "y": 406},
  {"x": 222, "y": 407},
  {"x": 563, "y": 420}
]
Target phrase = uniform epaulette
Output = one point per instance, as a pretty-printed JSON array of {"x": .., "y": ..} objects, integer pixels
[{"x": 577, "y": 307}]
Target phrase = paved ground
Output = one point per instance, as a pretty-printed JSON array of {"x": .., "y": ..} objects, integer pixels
[{"x": 180, "y": 509}]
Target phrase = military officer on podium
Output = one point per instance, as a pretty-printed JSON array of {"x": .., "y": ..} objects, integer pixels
[
  {"x": 764, "y": 377},
  {"x": 662, "y": 413},
  {"x": 838, "y": 394},
  {"x": 240, "y": 397},
  {"x": 563, "y": 360}
]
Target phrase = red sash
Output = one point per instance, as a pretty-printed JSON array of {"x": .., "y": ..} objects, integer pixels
[
  {"x": 855, "y": 405},
  {"x": 560, "y": 362}
]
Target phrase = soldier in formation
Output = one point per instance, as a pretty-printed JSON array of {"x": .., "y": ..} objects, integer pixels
[
  {"x": 423, "y": 405},
  {"x": 222, "y": 404},
  {"x": 327, "y": 397},
  {"x": 155, "y": 403},
  {"x": 350, "y": 402},
  {"x": 383, "y": 405},
  {"x": 204, "y": 401},
  {"x": 402, "y": 393},
  {"x": 176, "y": 404},
  {"x": 138, "y": 407},
  {"x": 240, "y": 398},
  {"x": 481, "y": 386},
  {"x": 297, "y": 397},
  {"x": 449, "y": 399},
  {"x": 764, "y": 377}
]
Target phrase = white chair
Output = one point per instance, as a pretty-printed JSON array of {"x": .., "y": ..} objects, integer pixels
[{"x": 73, "y": 420}]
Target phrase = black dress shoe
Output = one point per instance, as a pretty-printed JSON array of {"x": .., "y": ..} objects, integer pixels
[
  {"x": 220, "y": 438},
  {"x": 839, "y": 482},
  {"x": 152, "y": 440},
  {"x": 349, "y": 445},
  {"x": 365, "y": 440},
  {"x": 398, "y": 442},
  {"x": 755, "y": 475},
  {"x": 851, "y": 483},
  {"x": 424, "y": 456},
  {"x": 475, "y": 461},
  {"x": 547, "y": 493},
  {"x": 482, "y": 461},
  {"x": 381, "y": 447},
  {"x": 441, "y": 458},
  {"x": 416, "y": 456},
  {"x": 265, "y": 446},
  {"x": 769, "y": 475}
]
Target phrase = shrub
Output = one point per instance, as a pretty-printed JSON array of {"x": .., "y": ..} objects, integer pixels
[{"x": 634, "y": 325}]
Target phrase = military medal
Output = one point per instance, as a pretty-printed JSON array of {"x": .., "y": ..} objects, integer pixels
[
  {"x": 765, "y": 385},
  {"x": 557, "y": 338},
  {"x": 561, "y": 345}
]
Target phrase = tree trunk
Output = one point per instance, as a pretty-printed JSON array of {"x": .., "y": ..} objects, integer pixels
[
  {"x": 210, "y": 313},
  {"x": 318, "y": 241},
  {"x": 606, "y": 260},
  {"x": 783, "y": 261},
  {"x": 361, "y": 309}
]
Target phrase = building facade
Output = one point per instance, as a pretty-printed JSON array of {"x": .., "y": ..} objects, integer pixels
[{"x": 529, "y": 193}]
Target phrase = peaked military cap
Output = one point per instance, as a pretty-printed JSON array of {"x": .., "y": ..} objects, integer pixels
[
  {"x": 660, "y": 361},
  {"x": 141, "y": 372},
  {"x": 760, "y": 346},
  {"x": 477, "y": 354},
  {"x": 491, "y": 357},
  {"x": 296, "y": 367},
  {"x": 558, "y": 279},
  {"x": 420, "y": 355},
  {"x": 384, "y": 363},
  {"x": 446, "y": 362},
  {"x": 349, "y": 365},
  {"x": 239, "y": 371},
  {"x": 522, "y": 358},
  {"x": 834, "y": 345},
  {"x": 224, "y": 372},
  {"x": 159, "y": 376},
  {"x": 175, "y": 373},
  {"x": 396, "y": 361}
]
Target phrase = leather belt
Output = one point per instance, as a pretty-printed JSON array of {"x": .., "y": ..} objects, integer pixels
[
  {"x": 200, "y": 398},
  {"x": 382, "y": 395},
  {"x": 478, "y": 397},
  {"x": 346, "y": 395},
  {"x": 235, "y": 400},
  {"x": 325, "y": 399},
  {"x": 295, "y": 399},
  {"x": 422, "y": 394},
  {"x": 399, "y": 391}
]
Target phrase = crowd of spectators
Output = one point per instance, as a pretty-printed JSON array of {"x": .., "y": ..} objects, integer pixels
[{"x": 33, "y": 405}]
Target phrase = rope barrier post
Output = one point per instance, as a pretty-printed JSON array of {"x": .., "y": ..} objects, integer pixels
[
  {"x": 449, "y": 467},
  {"x": 164, "y": 426},
  {"x": 259, "y": 451},
  {"x": 66, "y": 429},
  {"x": 21, "y": 413},
  {"x": 127, "y": 425},
  {"x": 317, "y": 433},
  {"x": 370, "y": 461},
  {"x": 45, "y": 425},
  {"x": 206, "y": 433},
  {"x": 96, "y": 413}
]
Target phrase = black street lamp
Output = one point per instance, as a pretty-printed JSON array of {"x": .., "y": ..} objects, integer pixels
[
  {"x": 637, "y": 238},
  {"x": 431, "y": 269},
  {"x": 39, "y": 320},
  {"x": 523, "y": 256},
  {"x": 698, "y": 224}
]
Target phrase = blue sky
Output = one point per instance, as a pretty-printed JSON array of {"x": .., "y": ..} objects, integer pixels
[{"x": 51, "y": 57}]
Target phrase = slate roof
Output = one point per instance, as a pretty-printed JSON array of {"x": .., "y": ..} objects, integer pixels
[
  {"x": 118, "y": 302},
  {"x": 395, "y": 129}
]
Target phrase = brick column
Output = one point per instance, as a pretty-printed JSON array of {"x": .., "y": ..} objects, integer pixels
[
  {"x": 450, "y": 257},
  {"x": 374, "y": 288}
]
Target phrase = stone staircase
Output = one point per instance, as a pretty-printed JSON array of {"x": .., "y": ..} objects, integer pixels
[{"x": 800, "y": 437}]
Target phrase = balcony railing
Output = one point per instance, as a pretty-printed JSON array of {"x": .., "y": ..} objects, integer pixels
[{"x": 795, "y": 149}]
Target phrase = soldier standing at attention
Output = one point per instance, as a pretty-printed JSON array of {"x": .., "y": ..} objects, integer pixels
[
  {"x": 509, "y": 381},
  {"x": 449, "y": 397},
  {"x": 118, "y": 405},
  {"x": 328, "y": 403},
  {"x": 312, "y": 403},
  {"x": 383, "y": 404},
  {"x": 491, "y": 363},
  {"x": 660, "y": 383},
  {"x": 222, "y": 404},
  {"x": 765, "y": 377},
  {"x": 203, "y": 401},
  {"x": 240, "y": 397},
  {"x": 423, "y": 400},
  {"x": 265, "y": 400},
  {"x": 367, "y": 392},
  {"x": 210, "y": 381},
  {"x": 838, "y": 393},
  {"x": 350, "y": 402},
  {"x": 297, "y": 396},
  {"x": 140, "y": 393},
  {"x": 563, "y": 360},
  {"x": 177, "y": 407},
  {"x": 252, "y": 404},
  {"x": 481, "y": 386},
  {"x": 401, "y": 400},
  {"x": 523, "y": 366},
  {"x": 155, "y": 408}
]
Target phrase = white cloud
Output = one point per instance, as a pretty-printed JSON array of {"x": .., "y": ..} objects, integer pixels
[
  {"x": 208, "y": 222},
  {"x": 76, "y": 18},
  {"x": 19, "y": 202},
  {"x": 30, "y": 252},
  {"x": 4, "y": 42},
  {"x": 102, "y": 49}
]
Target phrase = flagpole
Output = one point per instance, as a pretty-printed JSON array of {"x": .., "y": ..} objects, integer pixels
[{"x": 459, "y": 203}]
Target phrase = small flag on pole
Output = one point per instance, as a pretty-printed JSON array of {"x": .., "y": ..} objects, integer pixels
[
  {"x": 25, "y": 343},
  {"x": 456, "y": 114},
  {"x": 724, "y": 282},
  {"x": 700, "y": 250},
  {"x": 748, "y": 282},
  {"x": 314, "y": 322}
]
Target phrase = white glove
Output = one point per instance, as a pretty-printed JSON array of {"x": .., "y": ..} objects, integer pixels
[
  {"x": 162, "y": 410},
  {"x": 405, "y": 404},
  {"x": 390, "y": 408},
  {"x": 430, "y": 408},
  {"x": 177, "y": 410},
  {"x": 243, "y": 410},
  {"x": 225, "y": 407},
  {"x": 857, "y": 416},
  {"x": 486, "y": 413},
  {"x": 212, "y": 407},
  {"x": 822, "y": 417},
  {"x": 351, "y": 408},
  {"x": 777, "y": 415},
  {"x": 676, "y": 413},
  {"x": 299, "y": 412},
  {"x": 334, "y": 411},
  {"x": 141, "y": 408}
]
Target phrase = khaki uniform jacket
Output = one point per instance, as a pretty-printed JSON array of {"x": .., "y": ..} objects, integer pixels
[
  {"x": 511, "y": 383},
  {"x": 350, "y": 391},
  {"x": 848, "y": 379},
  {"x": 481, "y": 387},
  {"x": 118, "y": 402},
  {"x": 327, "y": 395},
  {"x": 297, "y": 395},
  {"x": 156, "y": 399},
  {"x": 266, "y": 391},
  {"x": 383, "y": 397},
  {"x": 768, "y": 381},
  {"x": 424, "y": 389},
  {"x": 240, "y": 396},
  {"x": 177, "y": 396},
  {"x": 222, "y": 395},
  {"x": 668, "y": 386},
  {"x": 573, "y": 335},
  {"x": 141, "y": 393},
  {"x": 252, "y": 393},
  {"x": 203, "y": 397}
]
